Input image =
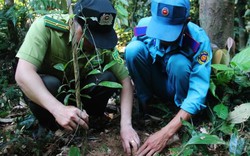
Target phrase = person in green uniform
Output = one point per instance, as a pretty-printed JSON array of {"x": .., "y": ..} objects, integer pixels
[{"x": 49, "y": 42}]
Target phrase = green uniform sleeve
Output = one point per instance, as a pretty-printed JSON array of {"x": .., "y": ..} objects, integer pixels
[
  {"x": 119, "y": 69},
  {"x": 35, "y": 43}
]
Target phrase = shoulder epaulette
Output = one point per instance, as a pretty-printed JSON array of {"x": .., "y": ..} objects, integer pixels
[
  {"x": 188, "y": 41},
  {"x": 56, "y": 24},
  {"x": 140, "y": 31}
]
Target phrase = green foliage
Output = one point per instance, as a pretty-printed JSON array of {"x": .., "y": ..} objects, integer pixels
[
  {"x": 74, "y": 151},
  {"x": 194, "y": 11},
  {"x": 16, "y": 19},
  {"x": 221, "y": 111},
  {"x": 9, "y": 93},
  {"x": 122, "y": 12},
  {"x": 242, "y": 24},
  {"x": 233, "y": 78},
  {"x": 125, "y": 35},
  {"x": 67, "y": 89},
  {"x": 228, "y": 83},
  {"x": 110, "y": 84},
  {"x": 206, "y": 139}
]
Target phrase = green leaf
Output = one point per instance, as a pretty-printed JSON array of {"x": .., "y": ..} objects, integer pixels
[
  {"x": 88, "y": 86},
  {"x": 95, "y": 71},
  {"x": 188, "y": 151},
  {"x": 66, "y": 99},
  {"x": 124, "y": 21},
  {"x": 246, "y": 66},
  {"x": 74, "y": 151},
  {"x": 59, "y": 67},
  {"x": 121, "y": 10},
  {"x": 71, "y": 91},
  {"x": 61, "y": 87},
  {"x": 203, "y": 138},
  {"x": 226, "y": 128},
  {"x": 125, "y": 2},
  {"x": 183, "y": 151},
  {"x": 188, "y": 125},
  {"x": 240, "y": 113},
  {"x": 224, "y": 77},
  {"x": 213, "y": 89},
  {"x": 236, "y": 145},
  {"x": 242, "y": 57},
  {"x": 86, "y": 96},
  {"x": 242, "y": 80},
  {"x": 110, "y": 84},
  {"x": 221, "y": 67},
  {"x": 247, "y": 13},
  {"x": 110, "y": 64},
  {"x": 221, "y": 111}
]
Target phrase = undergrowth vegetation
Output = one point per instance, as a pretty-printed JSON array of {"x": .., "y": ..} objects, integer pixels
[{"x": 221, "y": 129}]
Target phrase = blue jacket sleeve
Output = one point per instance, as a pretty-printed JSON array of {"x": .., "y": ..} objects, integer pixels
[{"x": 200, "y": 74}]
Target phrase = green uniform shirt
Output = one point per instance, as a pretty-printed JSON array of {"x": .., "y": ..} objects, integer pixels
[{"x": 47, "y": 43}]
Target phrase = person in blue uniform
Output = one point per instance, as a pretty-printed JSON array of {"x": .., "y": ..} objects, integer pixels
[{"x": 169, "y": 57}]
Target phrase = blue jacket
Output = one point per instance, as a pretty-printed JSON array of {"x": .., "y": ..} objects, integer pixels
[{"x": 200, "y": 59}]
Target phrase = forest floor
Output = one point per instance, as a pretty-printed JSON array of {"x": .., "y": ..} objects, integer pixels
[{"x": 19, "y": 127}]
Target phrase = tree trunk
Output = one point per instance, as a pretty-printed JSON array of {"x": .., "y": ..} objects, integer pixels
[
  {"x": 9, "y": 2},
  {"x": 216, "y": 17}
]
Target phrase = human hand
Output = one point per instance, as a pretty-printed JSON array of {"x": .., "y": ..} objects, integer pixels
[
  {"x": 69, "y": 117},
  {"x": 154, "y": 144},
  {"x": 130, "y": 140}
]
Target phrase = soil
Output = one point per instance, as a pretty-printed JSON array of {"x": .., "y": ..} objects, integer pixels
[{"x": 103, "y": 140}]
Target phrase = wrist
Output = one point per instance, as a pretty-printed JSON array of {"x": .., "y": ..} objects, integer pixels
[
  {"x": 57, "y": 107},
  {"x": 125, "y": 124},
  {"x": 168, "y": 132}
]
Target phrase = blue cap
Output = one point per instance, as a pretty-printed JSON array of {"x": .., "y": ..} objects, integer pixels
[{"x": 168, "y": 19}]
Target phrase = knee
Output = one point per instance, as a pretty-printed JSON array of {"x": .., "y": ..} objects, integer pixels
[
  {"x": 180, "y": 64},
  {"x": 52, "y": 83},
  {"x": 109, "y": 76},
  {"x": 133, "y": 49}
]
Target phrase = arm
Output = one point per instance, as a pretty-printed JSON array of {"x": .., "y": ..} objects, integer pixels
[
  {"x": 128, "y": 134},
  {"x": 200, "y": 74},
  {"x": 156, "y": 142},
  {"x": 33, "y": 87}
]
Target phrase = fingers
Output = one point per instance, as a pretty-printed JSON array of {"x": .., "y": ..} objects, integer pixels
[
  {"x": 82, "y": 123},
  {"x": 134, "y": 145},
  {"x": 77, "y": 118},
  {"x": 130, "y": 140},
  {"x": 131, "y": 147},
  {"x": 147, "y": 150},
  {"x": 83, "y": 115},
  {"x": 144, "y": 150},
  {"x": 82, "y": 119}
]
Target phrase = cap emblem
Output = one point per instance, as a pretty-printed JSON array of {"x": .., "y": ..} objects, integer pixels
[
  {"x": 165, "y": 11},
  {"x": 106, "y": 19}
]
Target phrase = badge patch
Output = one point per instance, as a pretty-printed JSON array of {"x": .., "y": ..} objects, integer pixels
[
  {"x": 203, "y": 57},
  {"x": 117, "y": 57}
]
